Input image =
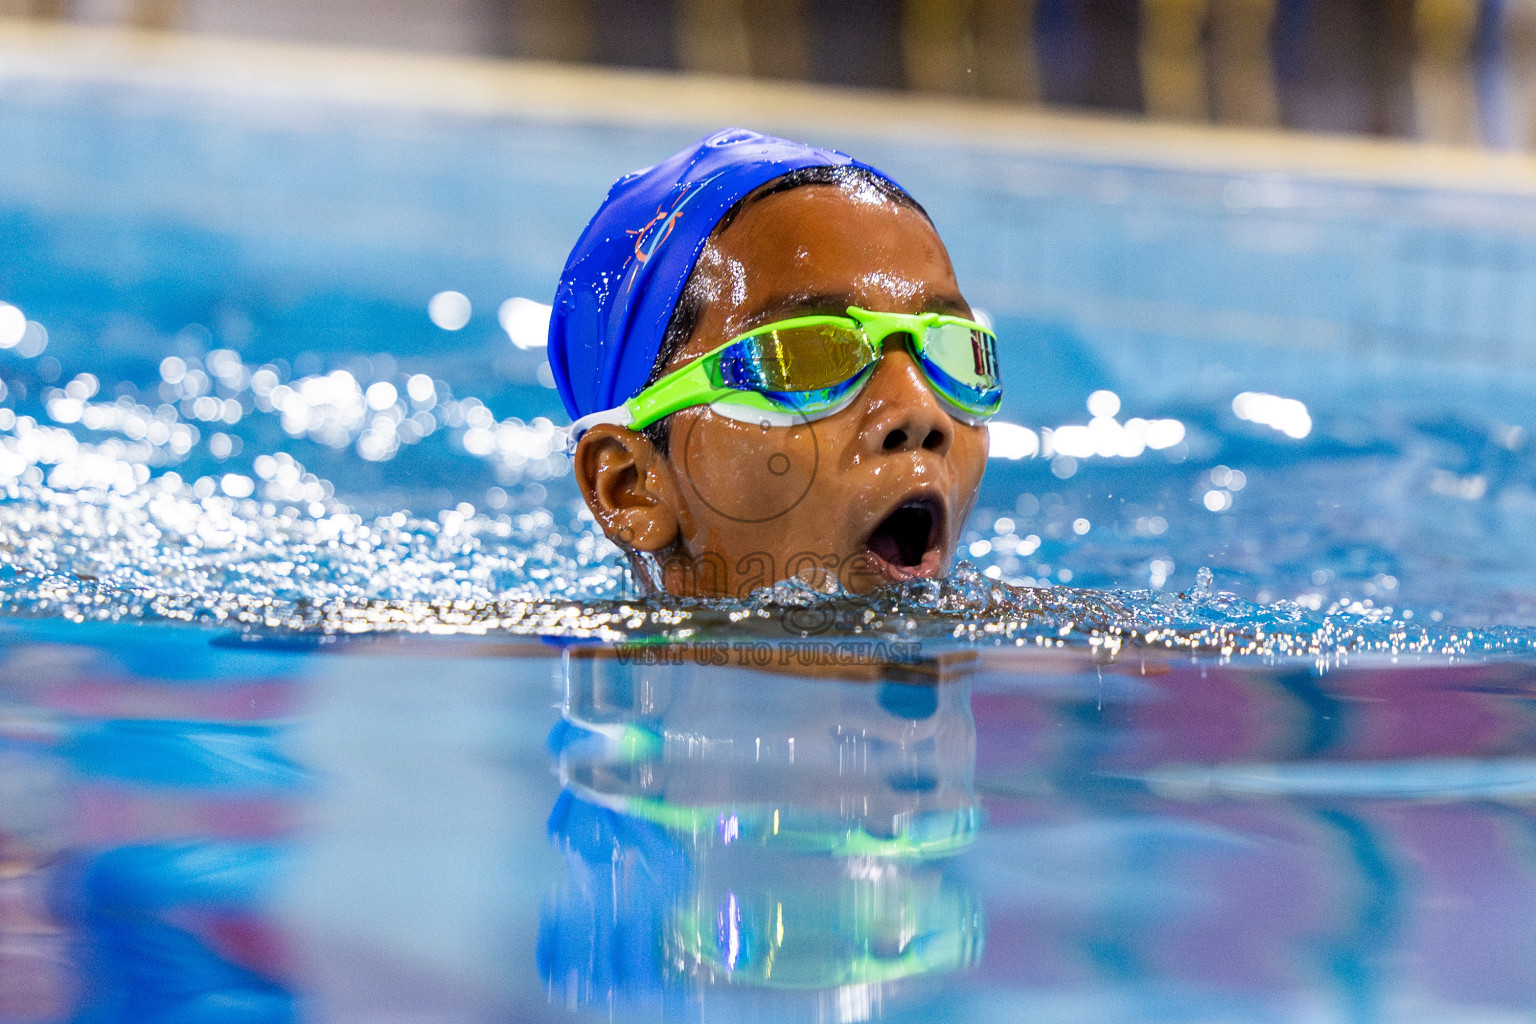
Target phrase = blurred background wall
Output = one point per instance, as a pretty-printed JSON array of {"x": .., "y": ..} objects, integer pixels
[{"x": 1448, "y": 71}]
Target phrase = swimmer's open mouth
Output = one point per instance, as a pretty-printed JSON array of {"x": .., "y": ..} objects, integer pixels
[{"x": 906, "y": 542}]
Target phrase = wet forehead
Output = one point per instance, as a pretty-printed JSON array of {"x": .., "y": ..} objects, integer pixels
[{"x": 821, "y": 246}]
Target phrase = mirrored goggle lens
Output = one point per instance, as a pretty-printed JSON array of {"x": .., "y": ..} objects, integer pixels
[
  {"x": 981, "y": 402},
  {"x": 810, "y": 358},
  {"x": 966, "y": 355}
]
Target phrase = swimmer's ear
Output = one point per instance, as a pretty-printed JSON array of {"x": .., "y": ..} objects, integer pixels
[{"x": 628, "y": 486}]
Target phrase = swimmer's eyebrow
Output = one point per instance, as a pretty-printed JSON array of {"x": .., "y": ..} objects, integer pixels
[
  {"x": 795, "y": 304},
  {"x": 782, "y": 307}
]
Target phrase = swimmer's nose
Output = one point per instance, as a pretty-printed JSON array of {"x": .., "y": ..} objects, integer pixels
[{"x": 906, "y": 415}]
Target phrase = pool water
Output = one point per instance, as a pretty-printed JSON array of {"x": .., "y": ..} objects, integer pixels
[
  {"x": 202, "y": 827},
  {"x": 321, "y": 697}
]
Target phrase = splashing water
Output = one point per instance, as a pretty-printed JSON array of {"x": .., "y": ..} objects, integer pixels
[
  {"x": 99, "y": 538},
  {"x": 106, "y": 529}
]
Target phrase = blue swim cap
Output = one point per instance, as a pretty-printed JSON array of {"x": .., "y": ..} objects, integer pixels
[{"x": 629, "y": 267}]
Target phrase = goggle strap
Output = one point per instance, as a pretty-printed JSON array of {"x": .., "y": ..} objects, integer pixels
[
  {"x": 688, "y": 386},
  {"x": 618, "y": 416}
]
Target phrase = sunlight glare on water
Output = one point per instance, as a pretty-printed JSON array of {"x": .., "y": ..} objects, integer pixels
[
  {"x": 90, "y": 534},
  {"x": 104, "y": 529}
]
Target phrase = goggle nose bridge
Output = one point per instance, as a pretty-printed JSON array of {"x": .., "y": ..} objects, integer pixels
[{"x": 878, "y": 327}]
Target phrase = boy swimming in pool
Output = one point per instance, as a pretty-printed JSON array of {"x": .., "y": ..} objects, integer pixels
[{"x": 772, "y": 372}]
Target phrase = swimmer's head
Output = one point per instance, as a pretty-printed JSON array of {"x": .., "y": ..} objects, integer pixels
[{"x": 844, "y": 442}]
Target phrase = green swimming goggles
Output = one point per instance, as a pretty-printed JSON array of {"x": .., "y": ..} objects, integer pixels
[{"x": 800, "y": 369}]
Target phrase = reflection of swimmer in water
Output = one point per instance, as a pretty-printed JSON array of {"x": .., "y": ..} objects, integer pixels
[
  {"x": 773, "y": 372},
  {"x": 783, "y": 838}
]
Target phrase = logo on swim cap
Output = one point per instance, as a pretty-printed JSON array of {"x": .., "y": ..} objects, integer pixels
[{"x": 658, "y": 229}]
